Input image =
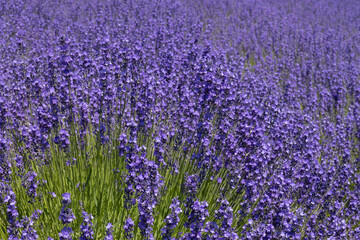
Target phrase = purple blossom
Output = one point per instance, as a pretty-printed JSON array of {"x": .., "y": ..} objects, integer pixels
[
  {"x": 196, "y": 219},
  {"x": 63, "y": 139},
  {"x": 66, "y": 233},
  {"x": 171, "y": 220},
  {"x": 122, "y": 144},
  {"x": 30, "y": 184},
  {"x": 66, "y": 199},
  {"x": 27, "y": 223},
  {"x": 109, "y": 232},
  {"x": 66, "y": 214},
  {"x": 86, "y": 229},
  {"x": 9, "y": 198},
  {"x": 129, "y": 228},
  {"x": 5, "y": 165},
  {"x": 146, "y": 219},
  {"x": 190, "y": 189},
  {"x": 225, "y": 215}
]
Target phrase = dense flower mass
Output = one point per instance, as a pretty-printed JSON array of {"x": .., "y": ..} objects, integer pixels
[{"x": 180, "y": 119}]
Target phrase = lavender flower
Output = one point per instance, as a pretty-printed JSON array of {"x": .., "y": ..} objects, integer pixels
[
  {"x": 129, "y": 228},
  {"x": 86, "y": 227},
  {"x": 66, "y": 233},
  {"x": 5, "y": 165},
  {"x": 225, "y": 214},
  {"x": 30, "y": 184},
  {"x": 122, "y": 144},
  {"x": 146, "y": 219},
  {"x": 196, "y": 219},
  {"x": 171, "y": 220},
  {"x": 66, "y": 199},
  {"x": 9, "y": 199},
  {"x": 109, "y": 232},
  {"x": 190, "y": 189},
  {"x": 27, "y": 223},
  {"x": 66, "y": 214},
  {"x": 63, "y": 139}
]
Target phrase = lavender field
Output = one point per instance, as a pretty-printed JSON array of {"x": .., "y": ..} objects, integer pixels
[{"x": 179, "y": 119}]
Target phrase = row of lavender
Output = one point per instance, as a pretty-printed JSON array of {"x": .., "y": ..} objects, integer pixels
[{"x": 179, "y": 119}]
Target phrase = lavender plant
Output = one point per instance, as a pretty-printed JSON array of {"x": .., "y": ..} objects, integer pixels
[{"x": 179, "y": 119}]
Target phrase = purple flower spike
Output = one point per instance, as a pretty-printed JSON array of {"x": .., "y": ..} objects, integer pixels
[
  {"x": 109, "y": 232},
  {"x": 63, "y": 139},
  {"x": 30, "y": 184},
  {"x": 86, "y": 227},
  {"x": 66, "y": 233},
  {"x": 66, "y": 199},
  {"x": 171, "y": 220},
  {"x": 196, "y": 219},
  {"x": 66, "y": 214},
  {"x": 9, "y": 198},
  {"x": 129, "y": 228}
]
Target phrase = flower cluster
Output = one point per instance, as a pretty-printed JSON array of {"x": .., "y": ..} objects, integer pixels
[
  {"x": 129, "y": 228},
  {"x": 66, "y": 217},
  {"x": 109, "y": 231},
  {"x": 66, "y": 214},
  {"x": 8, "y": 197},
  {"x": 196, "y": 220},
  {"x": 27, "y": 223},
  {"x": 66, "y": 234},
  {"x": 62, "y": 139},
  {"x": 225, "y": 215},
  {"x": 30, "y": 183},
  {"x": 172, "y": 220},
  {"x": 86, "y": 228}
]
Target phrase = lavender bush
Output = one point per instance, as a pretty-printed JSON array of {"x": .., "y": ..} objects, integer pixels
[{"x": 180, "y": 119}]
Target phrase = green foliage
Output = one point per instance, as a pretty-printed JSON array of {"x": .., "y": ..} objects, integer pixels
[{"x": 98, "y": 189}]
